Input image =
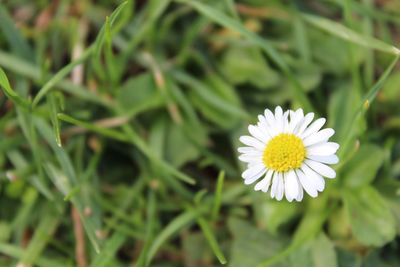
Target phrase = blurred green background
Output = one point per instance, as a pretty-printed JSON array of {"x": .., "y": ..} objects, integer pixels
[{"x": 120, "y": 124}]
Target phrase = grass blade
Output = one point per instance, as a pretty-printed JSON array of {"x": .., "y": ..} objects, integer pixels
[
  {"x": 130, "y": 137},
  {"x": 347, "y": 34},
  {"x": 212, "y": 241},
  {"x": 42, "y": 236},
  {"x": 232, "y": 24},
  {"x": 17, "y": 42},
  {"x": 52, "y": 102},
  {"x": 32, "y": 71},
  {"x": 60, "y": 75},
  {"x": 218, "y": 195},
  {"x": 98, "y": 44},
  {"x": 10, "y": 93},
  {"x": 367, "y": 100},
  {"x": 108, "y": 251},
  {"x": 17, "y": 252},
  {"x": 169, "y": 231}
]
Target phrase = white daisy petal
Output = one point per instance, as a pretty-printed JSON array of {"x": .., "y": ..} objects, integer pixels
[
  {"x": 315, "y": 178},
  {"x": 321, "y": 136},
  {"x": 250, "y": 158},
  {"x": 313, "y": 128},
  {"x": 270, "y": 118},
  {"x": 300, "y": 195},
  {"x": 307, "y": 183},
  {"x": 281, "y": 187},
  {"x": 247, "y": 149},
  {"x": 291, "y": 185},
  {"x": 263, "y": 126},
  {"x": 275, "y": 182},
  {"x": 302, "y": 125},
  {"x": 254, "y": 152},
  {"x": 332, "y": 159},
  {"x": 251, "y": 141},
  {"x": 256, "y": 170},
  {"x": 324, "y": 149},
  {"x": 321, "y": 168},
  {"x": 257, "y": 133},
  {"x": 253, "y": 179},
  {"x": 295, "y": 119},
  {"x": 268, "y": 178},
  {"x": 285, "y": 127},
  {"x": 265, "y": 182}
]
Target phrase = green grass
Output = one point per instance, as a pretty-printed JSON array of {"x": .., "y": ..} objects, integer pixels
[{"x": 128, "y": 114}]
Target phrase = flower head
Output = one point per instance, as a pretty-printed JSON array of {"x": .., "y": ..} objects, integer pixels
[{"x": 288, "y": 153}]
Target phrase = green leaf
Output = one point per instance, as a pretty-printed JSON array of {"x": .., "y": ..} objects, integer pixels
[
  {"x": 323, "y": 252},
  {"x": 371, "y": 220},
  {"x": 251, "y": 245},
  {"x": 177, "y": 138},
  {"x": 246, "y": 64},
  {"x": 309, "y": 227},
  {"x": 361, "y": 169},
  {"x": 273, "y": 214},
  {"x": 195, "y": 249},
  {"x": 139, "y": 94},
  {"x": 347, "y": 34}
]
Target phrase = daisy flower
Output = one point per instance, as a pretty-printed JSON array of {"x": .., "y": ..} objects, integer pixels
[{"x": 288, "y": 153}]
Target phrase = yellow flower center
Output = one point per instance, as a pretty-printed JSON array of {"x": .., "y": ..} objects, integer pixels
[{"x": 284, "y": 152}]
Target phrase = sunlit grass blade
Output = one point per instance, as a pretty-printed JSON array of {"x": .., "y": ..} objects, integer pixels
[
  {"x": 10, "y": 93},
  {"x": 347, "y": 34},
  {"x": 212, "y": 241},
  {"x": 218, "y": 195}
]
